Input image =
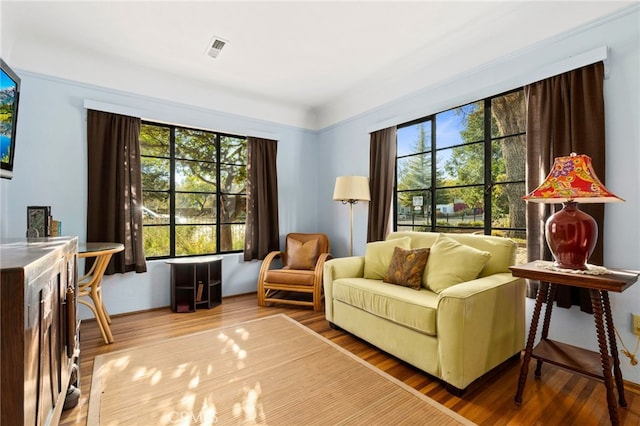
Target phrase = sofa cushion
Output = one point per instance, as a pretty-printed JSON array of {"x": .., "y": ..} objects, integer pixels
[
  {"x": 407, "y": 267},
  {"x": 378, "y": 254},
  {"x": 451, "y": 263},
  {"x": 503, "y": 250},
  {"x": 301, "y": 255},
  {"x": 402, "y": 305}
]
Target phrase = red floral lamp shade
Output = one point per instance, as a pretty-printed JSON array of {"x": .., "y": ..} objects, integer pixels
[
  {"x": 572, "y": 178},
  {"x": 570, "y": 233}
]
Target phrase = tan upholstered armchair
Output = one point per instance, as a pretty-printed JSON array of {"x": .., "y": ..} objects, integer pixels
[{"x": 303, "y": 262}]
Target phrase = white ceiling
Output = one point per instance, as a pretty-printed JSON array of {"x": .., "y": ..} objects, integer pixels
[{"x": 308, "y": 55}]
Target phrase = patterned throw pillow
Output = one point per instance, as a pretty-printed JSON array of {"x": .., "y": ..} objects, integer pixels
[
  {"x": 302, "y": 255},
  {"x": 407, "y": 266}
]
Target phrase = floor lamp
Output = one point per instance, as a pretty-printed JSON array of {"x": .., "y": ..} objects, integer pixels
[{"x": 350, "y": 190}]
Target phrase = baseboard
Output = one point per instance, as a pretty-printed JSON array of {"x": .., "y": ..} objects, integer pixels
[
  {"x": 158, "y": 308},
  {"x": 632, "y": 387}
]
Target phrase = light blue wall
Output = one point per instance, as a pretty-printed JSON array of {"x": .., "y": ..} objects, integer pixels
[
  {"x": 50, "y": 169},
  {"x": 344, "y": 149}
]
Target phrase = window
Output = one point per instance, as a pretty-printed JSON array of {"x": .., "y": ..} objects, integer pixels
[
  {"x": 463, "y": 170},
  {"x": 194, "y": 191}
]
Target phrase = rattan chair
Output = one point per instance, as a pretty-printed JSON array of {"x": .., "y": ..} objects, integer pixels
[{"x": 301, "y": 274}]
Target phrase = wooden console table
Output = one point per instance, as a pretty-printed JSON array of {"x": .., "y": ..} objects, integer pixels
[{"x": 570, "y": 357}]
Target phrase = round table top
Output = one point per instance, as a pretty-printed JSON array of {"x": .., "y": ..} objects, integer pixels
[{"x": 98, "y": 247}]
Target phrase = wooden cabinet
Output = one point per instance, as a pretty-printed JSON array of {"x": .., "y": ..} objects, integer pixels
[
  {"x": 38, "y": 328},
  {"x": 196, "y": 282}
]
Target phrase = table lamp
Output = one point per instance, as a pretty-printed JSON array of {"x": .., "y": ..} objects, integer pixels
[
  {"x": 350, "y": 190},
  {"x": 571, "y": 233}
]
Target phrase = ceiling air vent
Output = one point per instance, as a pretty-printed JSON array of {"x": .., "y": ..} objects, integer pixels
[{"x": 215, "y": 46}]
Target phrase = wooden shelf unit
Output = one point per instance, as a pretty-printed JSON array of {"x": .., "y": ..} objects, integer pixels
[{"x": 196, "y": 282}]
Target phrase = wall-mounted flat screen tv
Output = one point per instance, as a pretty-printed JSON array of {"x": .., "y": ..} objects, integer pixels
[{"x": 9, "y": 96}]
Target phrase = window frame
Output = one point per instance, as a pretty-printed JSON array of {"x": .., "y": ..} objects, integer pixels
[
  {"x": 487, "y": 185},
  {"x": 172, "y": 192}
]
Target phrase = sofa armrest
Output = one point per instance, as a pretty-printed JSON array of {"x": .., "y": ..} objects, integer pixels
[
  {"x": 480, "y": 324},
  {"x": 342, "y": 267},
  {"x": 479, "y": 285}
]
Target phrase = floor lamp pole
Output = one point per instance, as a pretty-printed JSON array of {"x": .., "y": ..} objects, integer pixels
[{"x": 351, "y": 203}]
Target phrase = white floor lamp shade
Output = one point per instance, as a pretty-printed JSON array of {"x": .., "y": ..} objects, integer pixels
[{"x": 350, "y": 190}]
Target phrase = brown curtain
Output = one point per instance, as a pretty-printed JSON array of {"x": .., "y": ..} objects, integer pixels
[
  {"x": 114, "y": 202},
  {"x": 382, "y": 161},
  {"x": 262, "y": 232},
  {"x": 565, "y": 114}
]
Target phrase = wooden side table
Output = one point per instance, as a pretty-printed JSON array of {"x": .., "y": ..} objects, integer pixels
[{"x": 570, "y": 357}]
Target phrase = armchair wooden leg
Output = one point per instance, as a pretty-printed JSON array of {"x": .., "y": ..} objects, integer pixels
[{"x": 317, "y": 304}]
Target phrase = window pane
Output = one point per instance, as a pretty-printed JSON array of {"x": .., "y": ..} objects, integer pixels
[
  {"x": 195, "y": 240},
  {"x": 413, "y": 208},
  {"x": 156, "y": 241},
  {"x": 156, "y": 208},
  {"x": 195, "y": 208},
  {"x": 460, "y": 207},
  {"x": 233, "y": 208},
  {"x": 462, "y": 165},
  {"x": 154, "y": 140},
  {"x": 233, "y": 178},
  {"x": 460, "y": 125},
  {"x": 508, "y": 114},
  {"x": 509, "y": 159},
  {"x": 413, "y": 139},
  {"x": 414, "y": 172},
  {"x": 195, "y": 144},
  {"x": 155, "y": 173},
  {"x": 231, "y": 237},
  {"x": 457, "y": 230},
  {"x": 195, "y": 176},
  {"x": 233, "y": 150},
  {"x": 508, "y": 207},
  {"x": 519, "y": 236}
]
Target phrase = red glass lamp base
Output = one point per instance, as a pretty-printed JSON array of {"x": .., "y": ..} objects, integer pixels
[{"x": 571, "y": 236}]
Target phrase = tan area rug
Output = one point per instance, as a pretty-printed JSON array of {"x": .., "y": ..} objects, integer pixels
[{"x": 271, "y": 371}]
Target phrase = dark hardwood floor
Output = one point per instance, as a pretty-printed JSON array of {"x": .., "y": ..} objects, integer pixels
[{"x": 559, "y": 398}]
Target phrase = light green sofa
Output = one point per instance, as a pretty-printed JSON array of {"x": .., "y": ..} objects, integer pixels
[{"x": 457, "y": 335}]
